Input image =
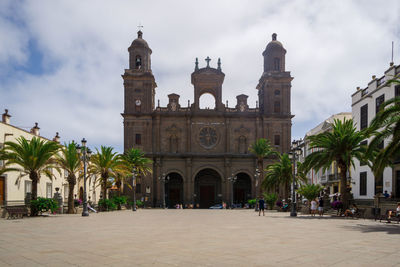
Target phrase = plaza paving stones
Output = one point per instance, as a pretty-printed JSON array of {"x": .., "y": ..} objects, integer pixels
[{"x": 197, "y": 238}]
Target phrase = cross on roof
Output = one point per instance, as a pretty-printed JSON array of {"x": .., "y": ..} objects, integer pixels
[
  {"x": 140, "y": 26},
  {"x": 208, "y": 61}
]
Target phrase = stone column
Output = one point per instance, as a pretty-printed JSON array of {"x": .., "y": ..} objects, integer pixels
[
  {"x": 226, "y": 189},
  {"x": 189, "y": 185},
  {"x": 157, "y": 190}
]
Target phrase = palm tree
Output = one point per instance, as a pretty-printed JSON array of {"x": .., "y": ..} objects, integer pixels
[
  {"x": 262, "y": 149},
  {"x": 69, "y": 160},
  {"x": 388, "y": 120},
  {"x": 341, "y": 145},
  {"x": 280, "y": 173},
  {"x": 134, "y": 159},
  {"x": 32, "y": 158},
  {"x": 105, "y": 164}
]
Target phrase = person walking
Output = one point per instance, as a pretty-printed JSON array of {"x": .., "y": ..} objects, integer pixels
[
  {"x": 261, "y": 204},
  {"x": 321, "y": 206},
  {"x": 313, "y": 207}
]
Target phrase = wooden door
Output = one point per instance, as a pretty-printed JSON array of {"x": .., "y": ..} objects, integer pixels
[{"x": 207, "y": 196}]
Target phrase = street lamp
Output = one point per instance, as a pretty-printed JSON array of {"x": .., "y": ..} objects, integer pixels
[
  {"x": 134, "y": 188},
  {"x": 232, "y": 179},
  {"x": 86, "y": 153},
  {"x": 164, "y": 179},
  {"x": 256, "y": 175},
  {"x": 294, "y": 152}
]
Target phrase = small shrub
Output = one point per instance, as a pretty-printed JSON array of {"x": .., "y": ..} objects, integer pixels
[
  {"x": 310, "y": 191},
  {"x": 252, "y": 202},
  {"x": 139, "y": 203},
  {"x": 107, "y": 204},
  {"x": 270, "y": 199},
  {"x": 42, "y": 204},
  {"x": 119, "y": 200}
]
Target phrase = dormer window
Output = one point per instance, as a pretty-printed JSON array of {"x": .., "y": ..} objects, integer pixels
[
  {"x": 138, "y": 62},
  {"x": 277, "y": 64}
]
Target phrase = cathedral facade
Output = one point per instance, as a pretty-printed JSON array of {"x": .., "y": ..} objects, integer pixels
[{"x": 201, "y": 156}]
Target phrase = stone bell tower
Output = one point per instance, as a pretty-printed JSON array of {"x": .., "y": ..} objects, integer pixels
[
  {"x": 139, "y": 88},
  {"x": 208, "y": 80},
  {"x": 274, "y": 89}
]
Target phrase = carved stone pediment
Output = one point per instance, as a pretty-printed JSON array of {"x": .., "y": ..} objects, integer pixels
[
  {"x": 173, "y": 130},
  {"x": 242, "y": 130}
]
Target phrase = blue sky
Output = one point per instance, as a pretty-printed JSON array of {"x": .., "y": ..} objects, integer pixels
[{"x": 61, "y": 61}]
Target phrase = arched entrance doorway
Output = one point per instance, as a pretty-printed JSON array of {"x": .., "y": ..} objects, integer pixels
[
  {"x": 174, "y": 190},
  {"x": 242, "y": 188},
  {"x": 207, "y": 188}
]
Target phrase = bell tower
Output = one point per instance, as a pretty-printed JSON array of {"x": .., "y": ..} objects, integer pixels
[
  {"x": 139, "y": 81},
  {"x": 274, "y": 90},
  {"x": 275, "y": 83},
  {"x": 139, "y": 94}
]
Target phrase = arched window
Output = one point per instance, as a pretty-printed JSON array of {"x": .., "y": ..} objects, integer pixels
[
  {"x": 138, "y": 62},
  {"x": 277, "y": 107},
  {"x": 277, "y": 64},
  {"x": 207, "y": 101}
]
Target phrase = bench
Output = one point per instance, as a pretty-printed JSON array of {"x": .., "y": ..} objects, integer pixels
[
  {"x": 392, "y": 218},
  {"x": 16, "y": 211}
]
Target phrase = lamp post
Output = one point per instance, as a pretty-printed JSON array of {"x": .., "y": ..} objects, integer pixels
[
  {"x": 134, "y": 188},
  {"x": 294, "y": 152},
  {"x": 256, "y": 175},
  {"x": 86, "y": 153},
  {"x": 232, "y": 179},
  {"x": 164, "y": 179}
]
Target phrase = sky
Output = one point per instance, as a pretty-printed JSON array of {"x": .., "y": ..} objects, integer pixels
[{"x": 61, "y": 61}]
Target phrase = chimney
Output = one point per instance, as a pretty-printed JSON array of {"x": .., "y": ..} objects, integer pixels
[
  {"x": 56, "y": 138},
  {"x": 35, "y": 129},
  {"x": 6, "y": 117}
]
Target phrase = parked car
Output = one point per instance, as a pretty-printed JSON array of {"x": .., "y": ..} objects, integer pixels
[{"x": 216, "y": 207}]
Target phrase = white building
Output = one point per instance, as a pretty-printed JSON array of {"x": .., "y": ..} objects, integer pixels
[
  {"x": 12, "y": 193},
  {"x": 330, "y": 178},
  {"x": 365, "y": 105}
]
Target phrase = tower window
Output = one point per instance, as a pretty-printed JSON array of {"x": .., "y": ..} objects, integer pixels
[
  {"x": 138, "y": 62},
  {"x": 277, "y": 107},
  {"x": 277, "y": 92},
  {"x": 277, "y": 140},
  {"x": 138, "y": 139},
  {"x": 277, "y": 64}
]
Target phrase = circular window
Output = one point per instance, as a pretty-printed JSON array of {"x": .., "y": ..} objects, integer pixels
[{"x": 208, "y": 137}]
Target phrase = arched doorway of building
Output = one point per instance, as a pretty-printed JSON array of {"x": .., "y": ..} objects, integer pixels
[
  {"x": 207, "y": 188},
  {"x": 174, "y": 190},
  {"x": 242, "y": 188}
]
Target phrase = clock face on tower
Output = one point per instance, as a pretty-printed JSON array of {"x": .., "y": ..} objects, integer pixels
[{"x": 138, "y": 102}]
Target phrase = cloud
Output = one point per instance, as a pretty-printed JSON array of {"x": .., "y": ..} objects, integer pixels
[{"x": 332, "y": 47}]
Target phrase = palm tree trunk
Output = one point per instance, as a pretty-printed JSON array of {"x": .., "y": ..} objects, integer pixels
[
  {"x": 71, "y": 186},
  {"x": 104, "y": 187},
  {"x": 34, "y": 177}
]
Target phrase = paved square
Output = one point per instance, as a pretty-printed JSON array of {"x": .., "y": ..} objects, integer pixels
[{"x": 197, "y": 238}]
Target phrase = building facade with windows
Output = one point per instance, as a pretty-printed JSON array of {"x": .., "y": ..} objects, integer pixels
[
  {"x": 331, "y": 177},
  {"x": 365, "y": 104},
  {"x": 13, "y": 192},
  {"x": 198, "y": 149}
]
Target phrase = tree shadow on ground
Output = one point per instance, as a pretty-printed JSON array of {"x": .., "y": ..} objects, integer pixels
[{"x": 386, "y": 227}]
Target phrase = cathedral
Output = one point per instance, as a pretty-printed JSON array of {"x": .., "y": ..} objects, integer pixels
[{"x": 201, "y": 156}]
